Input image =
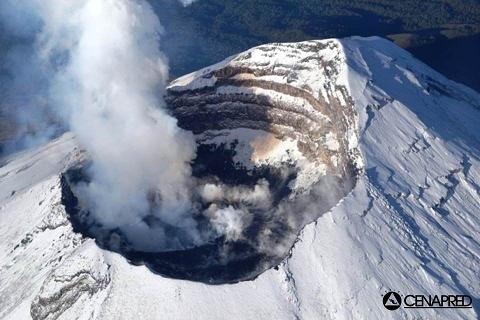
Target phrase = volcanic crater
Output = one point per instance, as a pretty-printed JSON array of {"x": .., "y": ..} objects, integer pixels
[{"x": 259, "y": 126}]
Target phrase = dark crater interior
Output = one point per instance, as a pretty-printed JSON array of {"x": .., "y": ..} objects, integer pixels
[
  {"x": 206, "y": 263},
  {"x": 220, "y": 260}
]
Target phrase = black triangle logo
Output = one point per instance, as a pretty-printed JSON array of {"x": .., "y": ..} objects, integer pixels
[{"x": 392, "y": 300}]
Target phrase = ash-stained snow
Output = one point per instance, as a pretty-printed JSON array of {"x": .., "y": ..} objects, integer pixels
[{"x": 411, "y": 224}]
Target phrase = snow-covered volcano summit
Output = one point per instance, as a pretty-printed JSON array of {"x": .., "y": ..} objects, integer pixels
[{"x": 410, "y": 223}]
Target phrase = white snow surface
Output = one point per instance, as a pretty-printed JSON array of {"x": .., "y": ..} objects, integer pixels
[{"x": 411, "y": 224}]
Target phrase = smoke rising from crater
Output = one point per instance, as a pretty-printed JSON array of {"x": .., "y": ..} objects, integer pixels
[{"x": 106, "y": 78}]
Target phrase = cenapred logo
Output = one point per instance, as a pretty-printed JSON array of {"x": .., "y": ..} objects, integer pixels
[{"x": 394, "y": 300}]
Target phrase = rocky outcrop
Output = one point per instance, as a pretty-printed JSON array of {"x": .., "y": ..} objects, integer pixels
[
  {"x": 291, "y": 90},
  {"x": 73, "y": 286}
]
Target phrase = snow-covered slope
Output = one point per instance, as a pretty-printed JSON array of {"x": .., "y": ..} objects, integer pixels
[{"x": 410, "y": 224}]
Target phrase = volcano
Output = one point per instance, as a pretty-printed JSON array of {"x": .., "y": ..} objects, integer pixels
[{"x": 364, "y": 164}]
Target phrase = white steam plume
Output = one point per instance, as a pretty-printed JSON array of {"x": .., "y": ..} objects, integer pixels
[{"x": 108, "y": 80}]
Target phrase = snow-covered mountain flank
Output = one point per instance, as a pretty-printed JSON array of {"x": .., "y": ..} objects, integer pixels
[{"x": 389, "y": 147}]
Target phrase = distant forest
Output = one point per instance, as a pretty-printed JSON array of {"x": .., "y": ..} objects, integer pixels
[{"x": 210, "y": 30}]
